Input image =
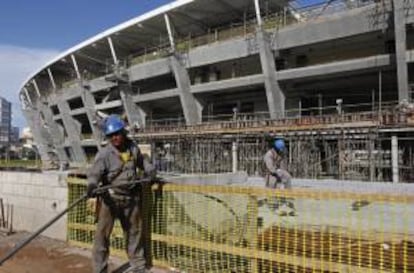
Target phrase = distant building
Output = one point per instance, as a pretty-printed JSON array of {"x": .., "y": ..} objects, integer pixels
[
  {"x": 27, "y": 137},
  {"x": 14, "y": 134},
  {"x": 5, "y": 122}
]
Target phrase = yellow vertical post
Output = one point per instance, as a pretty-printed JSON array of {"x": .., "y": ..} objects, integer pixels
[{"x": 252, "y": 230}]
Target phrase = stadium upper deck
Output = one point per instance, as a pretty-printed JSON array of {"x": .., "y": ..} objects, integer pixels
[{"x": 197, "y": 60}]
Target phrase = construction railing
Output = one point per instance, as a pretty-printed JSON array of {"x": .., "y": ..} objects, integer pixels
[
  {"x": 20, "y": 164},
  {"x": 220, "y": 229},
  {"x": 365, "y": 119}
]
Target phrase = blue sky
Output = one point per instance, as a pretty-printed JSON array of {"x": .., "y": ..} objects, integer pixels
[{"x": 34, "y": 31}]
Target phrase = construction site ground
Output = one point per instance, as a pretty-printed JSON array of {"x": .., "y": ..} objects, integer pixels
[{"x": 45, "y": 255}]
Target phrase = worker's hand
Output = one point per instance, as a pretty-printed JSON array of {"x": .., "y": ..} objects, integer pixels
[
  {"x": 91, "y": 190},
  {"x": 276, "y": 175}
]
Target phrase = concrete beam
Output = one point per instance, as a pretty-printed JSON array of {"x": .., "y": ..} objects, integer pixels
[
  {"x": 157, "y": 95},
  {"x": 274, "y": 94},
  {"x": 135, "y": 114},
  {"x": 191, "y": 107},
  {"x": 73, "y": 131},
  {"x": 65, "y": 94},
  {"x": 354, "y": 22},
  {"x": 400, "y": 49},
  {"x": 99, "y": 84},
  {"x": 223, "y": 51},
  {"x": 336, "y": 67},
  {"x": 341, "y": 25},
  {"x": 149, "y": 70},
  {"x": 228, "y": 84}
]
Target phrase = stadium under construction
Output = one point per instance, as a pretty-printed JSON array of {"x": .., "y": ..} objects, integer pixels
[{"x": 204, "y": 83}]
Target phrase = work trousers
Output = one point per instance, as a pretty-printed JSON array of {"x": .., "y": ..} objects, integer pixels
[
  {"x": 283, "y": 180},
  {"x": 129, "y": 212}
]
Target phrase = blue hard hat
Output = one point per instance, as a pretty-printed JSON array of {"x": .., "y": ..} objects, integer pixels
[
  {"x": 279, "y": 145},
  {"x": 113, "y": 124}
]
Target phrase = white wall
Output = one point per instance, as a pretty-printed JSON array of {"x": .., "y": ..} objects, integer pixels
[{"x": 37, "y": 198}]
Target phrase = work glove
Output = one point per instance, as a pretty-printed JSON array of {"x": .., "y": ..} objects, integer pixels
[
  {"x": 277, "y": 176},
  {"x": 91, "y": 190}
]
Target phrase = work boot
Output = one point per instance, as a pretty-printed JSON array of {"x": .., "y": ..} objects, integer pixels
[
  {"x": 286, "y": 210},
  {"x": 273, "y": 206}
]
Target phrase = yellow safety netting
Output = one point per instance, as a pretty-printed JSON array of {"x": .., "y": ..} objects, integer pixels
[{"x": 238, "y": 229}]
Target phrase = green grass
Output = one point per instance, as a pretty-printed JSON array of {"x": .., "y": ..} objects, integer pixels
[{"x": 18, "y": 163}]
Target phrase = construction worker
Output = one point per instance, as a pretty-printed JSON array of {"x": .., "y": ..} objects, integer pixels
[
  {"x": 119, "y": 162},
  {"x": 278, "y": 177}
]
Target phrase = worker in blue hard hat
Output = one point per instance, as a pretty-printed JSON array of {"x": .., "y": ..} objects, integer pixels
[
  {"x": 119, "y": 162},
  {"x": 277, "y": 176}
]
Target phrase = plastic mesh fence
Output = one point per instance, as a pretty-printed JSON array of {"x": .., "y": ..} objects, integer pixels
[{"x": 251, "y": 229}]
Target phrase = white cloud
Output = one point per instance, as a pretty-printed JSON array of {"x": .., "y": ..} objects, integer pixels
[{"x": 16, "y": 65}]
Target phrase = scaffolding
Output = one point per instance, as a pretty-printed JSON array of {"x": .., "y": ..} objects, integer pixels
[{"x": 352, "y": 146}]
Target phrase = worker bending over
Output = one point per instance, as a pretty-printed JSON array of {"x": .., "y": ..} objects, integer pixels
[{"x": 277, "y": 177}]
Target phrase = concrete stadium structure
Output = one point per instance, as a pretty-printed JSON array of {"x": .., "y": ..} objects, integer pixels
[{"x": 199, "y": 62}]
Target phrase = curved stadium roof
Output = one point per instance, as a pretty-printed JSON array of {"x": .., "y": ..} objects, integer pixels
[{"x": 195, "y": 17}]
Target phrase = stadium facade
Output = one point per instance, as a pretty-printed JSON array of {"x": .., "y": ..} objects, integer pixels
[{"x": 206, "y": 80}]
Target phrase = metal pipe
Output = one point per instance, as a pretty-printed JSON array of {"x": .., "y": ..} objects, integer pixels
[
  {"x": 99, "y": 190},
  {"x": 234, "y": 156},
  {"x": 22, "y": 244}
]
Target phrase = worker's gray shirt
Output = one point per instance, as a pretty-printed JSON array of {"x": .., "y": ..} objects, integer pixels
[
  {"x": 276, "y": 168},
  {"x": 108, "y": 167},
  {"x": 273, "y": 161}
]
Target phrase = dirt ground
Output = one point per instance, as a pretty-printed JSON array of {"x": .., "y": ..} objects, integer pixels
[{"x": 44, "y": 255}]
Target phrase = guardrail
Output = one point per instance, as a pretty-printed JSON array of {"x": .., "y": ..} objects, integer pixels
[{"x": 236, "y": 229}]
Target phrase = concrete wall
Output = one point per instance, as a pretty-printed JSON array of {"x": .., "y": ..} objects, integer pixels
[{"x": 36, "y": 198}]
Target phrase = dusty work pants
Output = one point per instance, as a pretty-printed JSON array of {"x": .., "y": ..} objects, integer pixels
[
  {"x": 282, "y": 181},
  {"x": 129, "y": 214}
]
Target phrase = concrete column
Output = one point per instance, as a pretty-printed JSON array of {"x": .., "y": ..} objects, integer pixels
[
  {"x": 400, "y": 49},
  {"x": 320, "y": 104},
  {"x": 75, "y": 66},
  {"x": 58, "y": 138},
  {"x": 274, "y": 94},
  {"x": 135, "y": 114},
  {"x": 394, "y": 159},
  {"x": 169, "y": 30},
  {"x": 191, "y": 107},
  {"x": 28, "y": 98},
  {"x": 257, "y": 9},
  {"x": 52, "y": 79},
  {"x": 73, "y": 131},
  {"x": 113, "y": 52},
  {"x": 36, "y": 87},
  {"x": 234, "y": 152},
  {"x": 89, "y": 103}
]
